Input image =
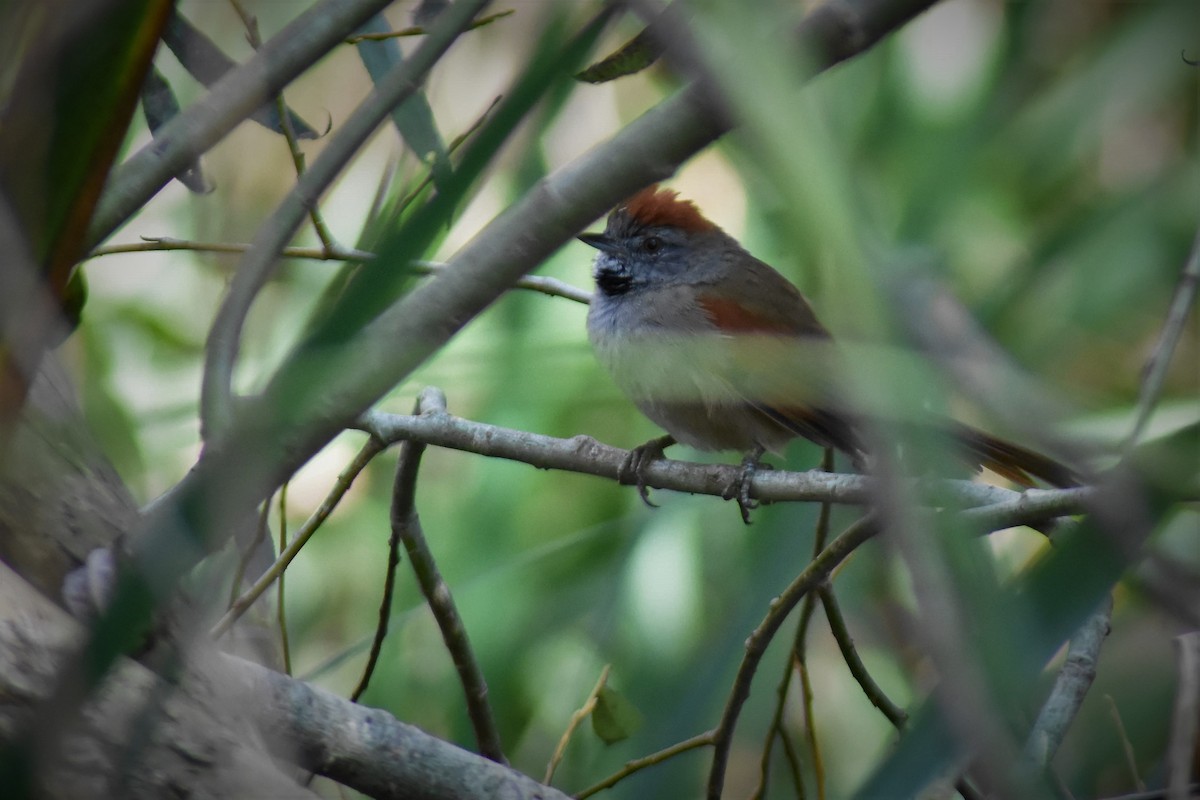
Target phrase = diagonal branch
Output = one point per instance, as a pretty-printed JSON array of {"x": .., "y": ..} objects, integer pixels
[
  {"x": 1070, "y": 687},
  {"x": 1155, "y": 370},
  {"x": 252, "y": 273},
  {"x": 756, "y": 644},
  {"x": 238, "y": 94}
]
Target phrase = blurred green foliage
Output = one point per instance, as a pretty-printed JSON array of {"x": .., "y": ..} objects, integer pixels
[{"x": 1043, "y": 154}]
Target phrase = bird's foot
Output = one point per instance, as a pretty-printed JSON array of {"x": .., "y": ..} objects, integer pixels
[
  {"x": 739, "y": 488},
  {"x": 633, "y": 468}
]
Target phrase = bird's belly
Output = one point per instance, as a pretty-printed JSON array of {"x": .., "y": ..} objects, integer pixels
[{"x": 682, "y": 385}]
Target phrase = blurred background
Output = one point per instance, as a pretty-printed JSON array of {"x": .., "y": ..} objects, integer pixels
[{"x": 1040, "y": 157}]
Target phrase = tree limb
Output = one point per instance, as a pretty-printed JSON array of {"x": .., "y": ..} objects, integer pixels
[
  {"x": 211, "y": 718},
  {"x": 298, "y": 46}
]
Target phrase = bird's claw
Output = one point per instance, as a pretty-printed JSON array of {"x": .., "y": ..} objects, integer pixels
[
  {"x": 739, "y": 488},
  {"x": 633, "y": 468}
]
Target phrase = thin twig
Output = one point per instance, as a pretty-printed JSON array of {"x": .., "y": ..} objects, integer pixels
[
  {"x": 1181, "y": 748},
  {"x": 573, "y": 723},
  {"x": 370, "y": 449},
  {"x": 800, "y": 645},
  {"x": 153, "y": 244},
  {"x": 756, "y": 644},
  {"x": 841, "y": 634},
  {"x": 260, "y": 533},
  {"x": 417, "y": 30},
  {"x": 773, "y": 730},
  {"x": 796, "y": 661},
  {"x": 280, "y": 610},
  {"x": 389, "y": 588},
  {"x": 1126, "y": 745},
  {"x": 1155, "y": 370},
  {"x": 1070, "y": 687},
  {"x": 793, "y": 759},
  {"x": 810, "y": 727},
  {"x": 250, "y": 23},
  {"x": 699, "y": 740},
  {"x": 407, "y": 525}
]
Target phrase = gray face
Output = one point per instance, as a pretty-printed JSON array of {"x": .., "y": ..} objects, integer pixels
[{"x": 633, "y": 255}]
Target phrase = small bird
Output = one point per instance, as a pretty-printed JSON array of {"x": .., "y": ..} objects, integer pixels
[{"x": 724, "y": 353}]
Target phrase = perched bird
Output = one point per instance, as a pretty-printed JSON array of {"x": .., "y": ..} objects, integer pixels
[{"x": 725, "y": 353}]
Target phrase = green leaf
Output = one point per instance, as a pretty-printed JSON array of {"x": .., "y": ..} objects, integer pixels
[
  {"x": 413, "y": 118},
  {"x": 614, "y": 718},
  {"x": 369, "y": 291},
  {"x": 159, "y": 105},
  {"x": 205, "y": 62},
  {"x": 68, "y": 111}
]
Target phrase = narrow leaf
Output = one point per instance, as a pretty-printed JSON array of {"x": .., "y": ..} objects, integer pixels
[
  {"x": 413, "y": 118},
  {"x": 201, "y": 57}
]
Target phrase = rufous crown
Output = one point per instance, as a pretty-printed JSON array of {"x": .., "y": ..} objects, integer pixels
[{"x": 654, "y": 206}]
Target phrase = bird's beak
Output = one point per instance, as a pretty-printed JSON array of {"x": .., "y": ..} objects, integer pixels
[{"x": 598, "y": 241}]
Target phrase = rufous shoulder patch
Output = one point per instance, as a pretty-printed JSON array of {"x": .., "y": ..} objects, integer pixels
[
  {"x": 655, "y": 206},
  {"x": 731, "y": 316}
]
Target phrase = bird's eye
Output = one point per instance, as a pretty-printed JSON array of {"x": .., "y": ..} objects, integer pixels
[{"x": 652, "y": 244}]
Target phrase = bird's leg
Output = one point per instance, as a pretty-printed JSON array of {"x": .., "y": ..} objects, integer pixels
[
  {"x": 632, "y": 469},
  {"x": 739, "y": 489}
]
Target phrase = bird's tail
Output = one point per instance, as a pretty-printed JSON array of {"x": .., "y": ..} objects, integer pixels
[{"x": 1012, "y": 461}]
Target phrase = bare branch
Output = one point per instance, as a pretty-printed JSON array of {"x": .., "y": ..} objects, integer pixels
[
  {"x": 250, "y": 22},
  {"x": 756, "y": 644},
  {"x": 1155, "y": 370},
  {"x": 201, "y": 744},
  {"x": 794, "y": 663},
  {"x": 700, "y": 740},
  {"x": 385, "y": 604},
  {"x": 841, "y": 634},
  {"x": 407, "y": 526},
  {"x": 584, "y": 454},
  {"x": 1182, "y": 748},
  {"x": 1070, "y": 687}
]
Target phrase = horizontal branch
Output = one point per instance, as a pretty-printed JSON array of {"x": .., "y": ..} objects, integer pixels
[{"x": 992, "y": 504}]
